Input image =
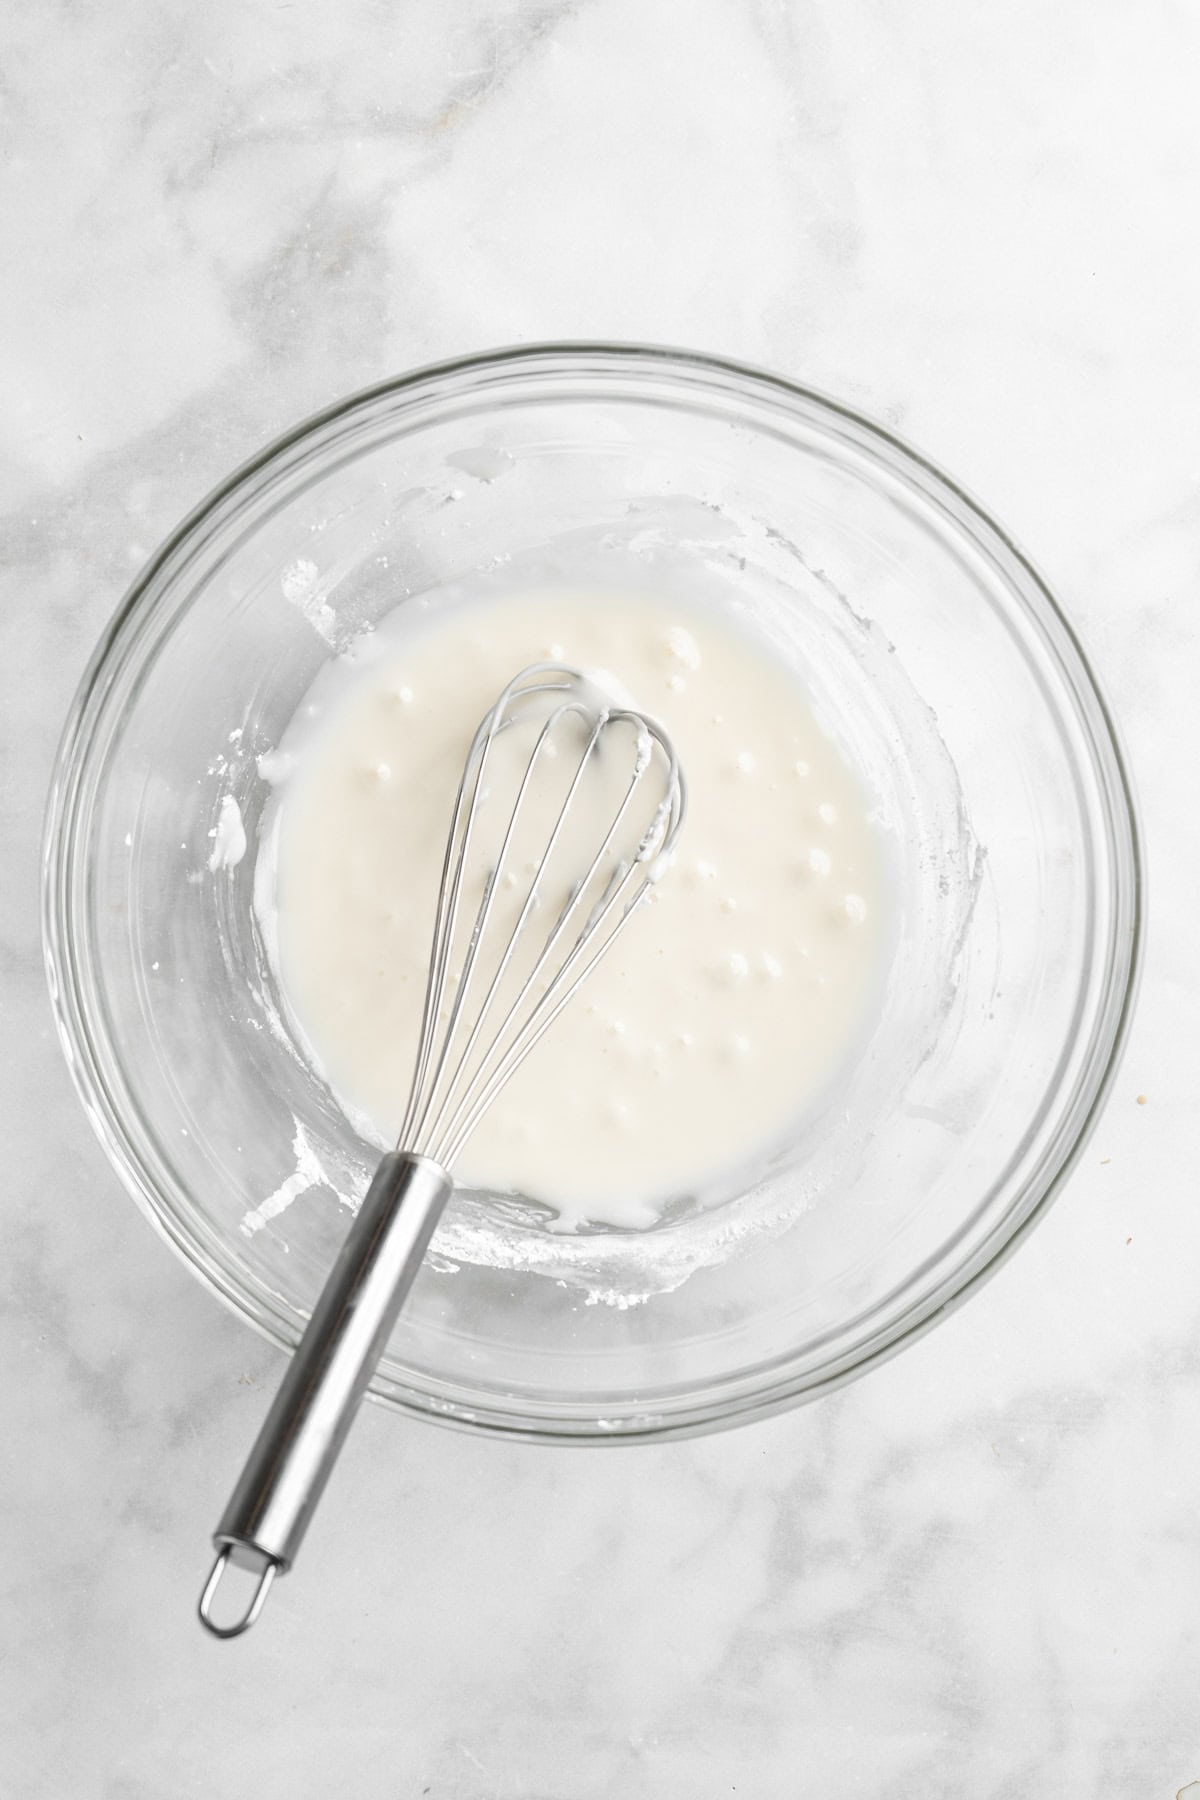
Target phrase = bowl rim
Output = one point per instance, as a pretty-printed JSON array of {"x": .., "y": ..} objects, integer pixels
[{"x": 558, "y": 357}]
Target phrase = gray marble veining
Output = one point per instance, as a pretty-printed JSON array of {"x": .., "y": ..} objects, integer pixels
[{"x": 974, "y": 1572}]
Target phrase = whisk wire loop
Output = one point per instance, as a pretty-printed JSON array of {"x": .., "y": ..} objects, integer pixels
[
  {"x": 470, "y": 1046},
  {"x": 483, "y": 919}
]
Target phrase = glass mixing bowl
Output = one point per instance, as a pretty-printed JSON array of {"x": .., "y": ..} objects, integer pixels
[{"x": 930, "y": 647}]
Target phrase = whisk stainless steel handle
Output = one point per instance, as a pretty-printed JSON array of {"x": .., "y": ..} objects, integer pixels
[
  {"x": 489, "y": 998},
  {"x": 285, "y": 1474}
]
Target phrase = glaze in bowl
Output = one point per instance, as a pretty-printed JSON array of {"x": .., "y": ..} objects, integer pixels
[{"x": 926, "y": 641}]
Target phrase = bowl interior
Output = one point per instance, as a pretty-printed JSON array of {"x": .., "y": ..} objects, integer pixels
[{"x": 930, "y": 650}]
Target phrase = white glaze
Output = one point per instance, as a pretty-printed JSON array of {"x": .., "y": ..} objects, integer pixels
[
  {"x": 228, "y": 836},
  {"x": 726, "y": 1006}
]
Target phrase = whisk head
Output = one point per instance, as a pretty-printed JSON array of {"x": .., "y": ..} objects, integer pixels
[{"x": 566, "y": 815}]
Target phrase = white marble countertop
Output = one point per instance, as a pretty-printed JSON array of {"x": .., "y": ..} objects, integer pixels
[{"x": 975, "y": 1572}]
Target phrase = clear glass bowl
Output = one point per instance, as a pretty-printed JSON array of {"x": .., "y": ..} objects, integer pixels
[{"x": 931, "y": 647}]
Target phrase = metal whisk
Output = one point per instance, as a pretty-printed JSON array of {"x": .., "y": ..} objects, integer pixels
[{"x": 565, "y": 816}]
